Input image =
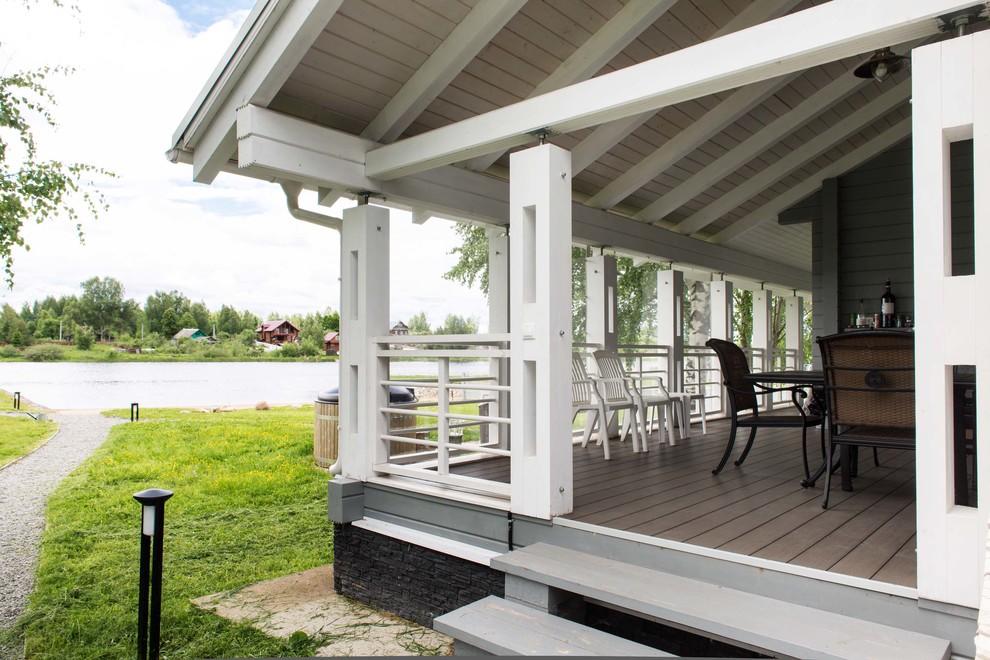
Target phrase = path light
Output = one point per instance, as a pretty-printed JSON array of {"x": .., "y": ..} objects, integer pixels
[{"x": 152, "y": 526}]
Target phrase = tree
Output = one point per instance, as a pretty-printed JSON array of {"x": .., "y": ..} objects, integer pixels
[
  {"x": 229, "y": 321},
  {"x": 187, "y": 320},
  {"x": 102, "y": 303},
  {"x": 201, "y": 317},
  {"x": 170, "y": 323},
  {"x": 472, "y": 262},
  {"x": 418, "y": 325},
  {"x": 154, "y": 311},
  {"x": 458, "y": 325},
  {"x": 32, "y": 188}
]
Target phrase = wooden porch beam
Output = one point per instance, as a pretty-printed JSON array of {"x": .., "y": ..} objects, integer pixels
[
  {"x": 788, "y": 44},
  {"x": 460, "y": 47},
  {"x": 256, "y": 78},
  {"x": 278, "y": 146},
  {"x": 606, "y": 136},
  {"x": 620, "y": 30}
]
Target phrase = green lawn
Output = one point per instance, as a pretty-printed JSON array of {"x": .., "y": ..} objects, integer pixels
[
  {"x": 19, "y": 435},
  {"x": 249, "y": 505}
]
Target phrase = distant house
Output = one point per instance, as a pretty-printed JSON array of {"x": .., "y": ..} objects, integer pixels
[
  {"x": 399, "y": 328},
  {"x": 277, "y": 332},
  {"x": 331, "y": 343},
  {"x": 189, "y": 333}
]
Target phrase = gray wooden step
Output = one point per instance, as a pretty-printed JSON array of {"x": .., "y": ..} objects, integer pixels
[
  {"x": 500, "y": 627},
  {"x": 749, "y": 620}
]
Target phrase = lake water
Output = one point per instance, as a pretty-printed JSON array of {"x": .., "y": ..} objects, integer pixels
[{"x": 74, "y": 385}]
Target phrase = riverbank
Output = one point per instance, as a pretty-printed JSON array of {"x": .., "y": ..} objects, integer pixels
[{"x": 111, "y": 354}]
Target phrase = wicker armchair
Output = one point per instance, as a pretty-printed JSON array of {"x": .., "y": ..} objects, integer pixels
[
  {"x": 869, "y": 393},
  {"x": 742, "y": 399}
]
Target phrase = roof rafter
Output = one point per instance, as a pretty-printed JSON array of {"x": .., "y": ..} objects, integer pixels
[
  {"x": 606, "y": 136},
  {"x": 460, "y": 47},
  {"x": 785, "y": 45},
  {"x": 712, "y": 122},
  {"x": 853, "y": 123},
  {"x": 768, "y": 211},
  {"x": 620, "y": 30}
]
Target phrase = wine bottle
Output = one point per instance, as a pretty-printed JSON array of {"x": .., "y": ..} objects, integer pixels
[{"x": 889, "y": 319}]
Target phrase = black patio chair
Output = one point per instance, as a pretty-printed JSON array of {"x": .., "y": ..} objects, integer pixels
[
  {"x": 869, "y": 394},
  {"x": 742, "y": 399}
]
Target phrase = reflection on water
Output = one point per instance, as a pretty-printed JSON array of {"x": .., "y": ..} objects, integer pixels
[{"x": 117, "y": 385}]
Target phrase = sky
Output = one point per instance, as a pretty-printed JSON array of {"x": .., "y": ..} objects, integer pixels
[{"x": 138, "y": 66}]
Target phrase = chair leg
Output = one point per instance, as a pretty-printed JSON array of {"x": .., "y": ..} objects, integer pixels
[
  {"x": 639, "y": 444},
  {"x": 804, "y": 453},
  {"x": 728, "y": 449},
  {"x": 661, "y": 424},
  {"x": 749, "y": 445},
  {"x": 828, "y": 475},
  {"x": 876, "y": 457},
  {"x": 590, "y": 417},
  {"x": 669, "y": 410}
]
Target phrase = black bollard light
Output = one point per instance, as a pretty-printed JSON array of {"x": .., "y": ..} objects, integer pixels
[
  {"x": 135, "y": 412},
  {"x": 152, "y": 527},
  {"x": 17, "y": 400}
]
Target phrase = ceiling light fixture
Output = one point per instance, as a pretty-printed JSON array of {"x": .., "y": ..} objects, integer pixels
[{"x": 883, "y": 63}]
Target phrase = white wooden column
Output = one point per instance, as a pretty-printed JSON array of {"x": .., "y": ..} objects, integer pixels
[
  {"x": 498, "y": 322},
  {"x": 794, "y": 329},
  {"x": 951, "y": 102},
  {"x": 540, "y": 321},
  {"x": 364, "y": 307},
  {"x": 601, "y": 277},
  {"x": 763, "y": 328},
  {"x": 720, "y": 299},
  {"x": 670, "y": 325}
]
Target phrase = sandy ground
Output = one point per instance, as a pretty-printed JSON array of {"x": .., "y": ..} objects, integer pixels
[{"x": 307, "y": 602}]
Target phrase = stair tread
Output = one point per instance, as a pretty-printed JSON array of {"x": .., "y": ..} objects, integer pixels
[{"x": 736, "y": 616}]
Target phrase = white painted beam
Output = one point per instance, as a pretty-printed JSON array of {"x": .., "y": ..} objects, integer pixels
[
  {"x": 794, "y": 329},
  {"x": 273, "y": 145},
  {"x": 601, "y": 299},
  {"x": 297, "y": 27},
  {"x": 720, "y": 299},
  {"x": 808, "y": 38},
  {"x": 711, "y": 123},
  {"x": 596, "y": 52},
  {"x": 860, "y": 155},
  {"x": 797, "y": 158},
  {"x": 460, "y": 47},
  {"x": 609, "y": 134}
]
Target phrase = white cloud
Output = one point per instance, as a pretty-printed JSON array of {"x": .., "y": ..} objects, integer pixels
[{"x": 138, "y": 68}]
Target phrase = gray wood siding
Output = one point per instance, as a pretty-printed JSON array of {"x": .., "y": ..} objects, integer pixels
[{"x": 876, "y": 236}]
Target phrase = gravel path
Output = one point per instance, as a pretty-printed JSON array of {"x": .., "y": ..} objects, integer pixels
[{"x": 24, "y": 490}]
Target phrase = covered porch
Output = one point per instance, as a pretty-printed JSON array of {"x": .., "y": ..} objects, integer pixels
[{"x": 711, "y": 139}]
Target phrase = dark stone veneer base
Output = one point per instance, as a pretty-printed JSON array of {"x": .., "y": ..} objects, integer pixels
[{"x": 407, "y": 580}]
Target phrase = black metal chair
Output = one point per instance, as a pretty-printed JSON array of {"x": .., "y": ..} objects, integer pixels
[
  {"x": 869, "y": 394},
  {"x": 742, "y": 398}
]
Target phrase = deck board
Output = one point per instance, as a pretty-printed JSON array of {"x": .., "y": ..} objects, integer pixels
[{"x": 758, "y": 509}]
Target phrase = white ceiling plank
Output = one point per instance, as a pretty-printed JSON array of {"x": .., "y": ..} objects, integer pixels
[
  {"x": 277, "y": 146},
  {"x": 858, "y": 156},
  {"x": 796, "y": 159},
  {"x": 756, "y": 144},
  {"x": 298, "y": 26},
  {"x": 466, "y": 40},
  {"x": 739, "y": 103},
  {"x": 606, "y": 136},
  {"x": 596, "y": 52},
  {"x": 795, "y": 42}
]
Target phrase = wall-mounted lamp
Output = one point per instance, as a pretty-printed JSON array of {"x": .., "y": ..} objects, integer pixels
[{"x": 883, "y": 63}]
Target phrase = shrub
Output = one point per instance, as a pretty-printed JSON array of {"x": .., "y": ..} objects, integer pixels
[
  {"x": 44, "y": 353},
  {"x": 289, "y": 350},
  {"x": 262, "y": 405},
  {"x": 9, "y": 352},
  {"x": 84, "y": 340}
]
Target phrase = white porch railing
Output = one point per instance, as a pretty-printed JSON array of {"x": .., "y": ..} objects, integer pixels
[{"x": 459, "y": 419}]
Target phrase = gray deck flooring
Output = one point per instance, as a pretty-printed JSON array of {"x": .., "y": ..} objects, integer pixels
[{"x": 758, "y": 509}]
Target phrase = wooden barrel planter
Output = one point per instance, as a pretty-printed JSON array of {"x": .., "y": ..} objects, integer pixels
[
  {"x": 325, "y": 431},
  {"x": 326, "y": 424}
]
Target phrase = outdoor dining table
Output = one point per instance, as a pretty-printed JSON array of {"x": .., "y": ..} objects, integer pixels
[{"x": 814, "y": 379}]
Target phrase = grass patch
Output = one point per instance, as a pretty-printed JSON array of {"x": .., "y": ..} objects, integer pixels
[
  {"x": 249, "y": 505},
  {"x": 20, "y": 435}
]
